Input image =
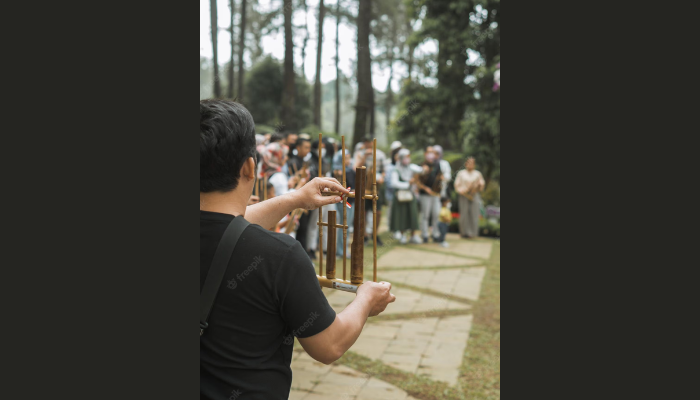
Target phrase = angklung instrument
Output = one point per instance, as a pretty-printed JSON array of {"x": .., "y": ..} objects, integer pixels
[{"x": 329, "y": 280}]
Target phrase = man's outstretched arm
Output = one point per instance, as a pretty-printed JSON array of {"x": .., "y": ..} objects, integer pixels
[
  {"x": 329, "y": 345},
  {"x": 268, "y": 213}
]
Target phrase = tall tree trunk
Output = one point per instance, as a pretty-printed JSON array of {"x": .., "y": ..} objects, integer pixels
[
  {"x": 337, "y": 71},
  {"x": 389, "y": 97},
  {"x": 288, "y": 93},
  {"x": 214, "y": 43},
  {"x": 411, "y": 50},
  {"x": 317, "y": 83},
  {"x": 231, "y": 7},
  {"x": 241, "y": 50},
  {"x": 306, "y": 38},
  {"x": 364, "y": 73}
]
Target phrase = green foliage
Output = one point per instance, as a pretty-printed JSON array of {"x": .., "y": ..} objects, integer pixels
[
  {"x": 461, "y": 112},
  {"x": 416, "y": 124},
  {"x": 492, "y": 194},
  {"x": 264, "y": 84},
  {"x": 489, "y": 229},
  {"x": 264, "y": 129}
]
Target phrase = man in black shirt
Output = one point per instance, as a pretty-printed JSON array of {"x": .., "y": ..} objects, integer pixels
[{"x": 270, "y": 293}]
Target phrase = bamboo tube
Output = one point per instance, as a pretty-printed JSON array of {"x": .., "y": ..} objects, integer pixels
[
  {"x": 265, "y": 187},
  {"x": 345, "y": 214},
  {"x": 374, "y": 204},
  {"x": 357, "y": 253},
  {"x": 351, "y": 195},
  {"x": 290, "y": 224},
  {"x": 255, "y": 190},
  {"x": 339, "y": 284},
  {"x": 330, "y": 255},
  {"x": 320, "y": 210}
]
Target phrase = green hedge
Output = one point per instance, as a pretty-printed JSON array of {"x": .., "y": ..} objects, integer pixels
[{"x": 486, "y": 228}]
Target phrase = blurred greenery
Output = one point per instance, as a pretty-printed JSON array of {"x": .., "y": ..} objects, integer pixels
[
  {"x": 263, "y": 88},
  {"x": 491, "y": 196},
  {"x": 489, "y": 229},
  {"x": 446, "y": 96}
]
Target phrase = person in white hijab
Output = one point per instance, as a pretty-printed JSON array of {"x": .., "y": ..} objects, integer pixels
[
  {"x": 404, "y": 210},
  {"x": 446, "y": 170}
]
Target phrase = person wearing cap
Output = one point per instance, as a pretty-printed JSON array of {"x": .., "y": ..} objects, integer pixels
[{"x": 404, "y": 210}]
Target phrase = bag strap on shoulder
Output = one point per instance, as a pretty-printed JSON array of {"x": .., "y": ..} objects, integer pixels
[{"x": 222, "y": 257}]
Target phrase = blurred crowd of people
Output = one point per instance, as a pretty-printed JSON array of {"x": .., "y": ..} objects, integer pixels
[{"x": 416, "y": 196}]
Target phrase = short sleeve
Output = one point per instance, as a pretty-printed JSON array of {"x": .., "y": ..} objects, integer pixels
[{"x": 302, "y": 304}]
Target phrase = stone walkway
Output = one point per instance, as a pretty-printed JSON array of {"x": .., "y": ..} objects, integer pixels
[{"x": 427, "y": 279}]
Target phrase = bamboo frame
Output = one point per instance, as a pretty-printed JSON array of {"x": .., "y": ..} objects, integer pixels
[
  {"x": 358, "y": 235},
  {"x": 264, "y": 188},
  {"x": 374, "y": 206},
  {"x": 320, "y": 210},
  {"x": 357, "y": 253},
  {"x": 330, "y": 255},
  {"x": 345, "y": 216}
]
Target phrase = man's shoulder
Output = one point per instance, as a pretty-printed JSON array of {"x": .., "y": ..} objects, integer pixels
[{"x": 270, "y": 238}]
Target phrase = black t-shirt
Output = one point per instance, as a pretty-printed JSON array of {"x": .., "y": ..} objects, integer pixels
[{"x": 269, "y": 293}]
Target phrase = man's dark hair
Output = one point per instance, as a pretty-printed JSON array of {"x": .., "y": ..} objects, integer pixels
[
  {"x": 226, "y": 141},
  {"x": 277, "y": 137},
  {"x": 302, "y": 141}
]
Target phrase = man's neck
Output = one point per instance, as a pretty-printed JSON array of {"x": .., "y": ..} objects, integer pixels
[{"x": 223, "y": 203}]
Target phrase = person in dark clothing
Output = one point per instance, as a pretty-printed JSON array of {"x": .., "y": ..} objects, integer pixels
[
  {"x": 296, "y": 166},
  {"x": 296, "y": 162},
  {"x": 430, "y": 185},
  {"x": 270, "y": 293}
]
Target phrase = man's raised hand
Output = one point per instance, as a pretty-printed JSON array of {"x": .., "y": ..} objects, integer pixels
[{"x": 309, "y": 197}]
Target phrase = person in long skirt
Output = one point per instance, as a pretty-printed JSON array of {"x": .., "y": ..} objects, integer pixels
[
  {"x": 468, "y": 184},
  {"x": 404, "y": 210}
]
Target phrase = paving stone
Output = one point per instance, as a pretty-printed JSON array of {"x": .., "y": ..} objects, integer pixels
[
  {"x": 461, "y": 246},
  {"x": 343, "y": 383},
  {"x": 433, "y": 347},
  {"x": 400, "y": 257},
  {"x": 407, "y": 300},
  {"x": 429, "y": 346},
  {"x": 378, "y": 392},
  {"x": 462, "y": 282},
  {"x": 303, "y": 379}
]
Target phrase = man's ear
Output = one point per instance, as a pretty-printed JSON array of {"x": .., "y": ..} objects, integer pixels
[{"x": 248, "y": 169}]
